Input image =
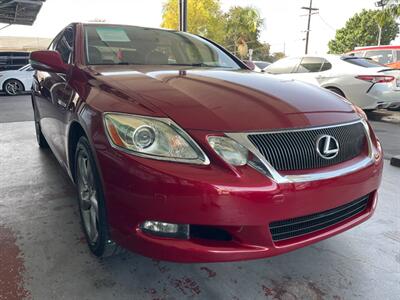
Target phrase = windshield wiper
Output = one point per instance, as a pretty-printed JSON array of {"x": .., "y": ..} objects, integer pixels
[{"x": 199, "y": 65}]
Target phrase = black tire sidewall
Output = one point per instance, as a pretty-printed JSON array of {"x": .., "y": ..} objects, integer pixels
[
  {"x": 99, "y": 247},
  {"x": 41, "y": 140}
]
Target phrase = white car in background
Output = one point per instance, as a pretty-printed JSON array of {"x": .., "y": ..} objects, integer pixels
[
  {"x": 14, "y": 82},
  {"x": 362, "y": 81}
]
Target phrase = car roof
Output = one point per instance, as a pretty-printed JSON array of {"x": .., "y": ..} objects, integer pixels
[
  {"x": 327, "y": 56},
  {"x": 384, "y": 47}
]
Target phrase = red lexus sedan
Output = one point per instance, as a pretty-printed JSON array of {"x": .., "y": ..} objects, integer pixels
[{"x": 179, "y": 152}]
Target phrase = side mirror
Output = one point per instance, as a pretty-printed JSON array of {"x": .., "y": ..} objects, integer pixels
[
  {"x": 49, "y": 61},
  {"x": 250, "y": 64}
]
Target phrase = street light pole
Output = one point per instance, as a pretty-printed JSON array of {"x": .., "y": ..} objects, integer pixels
[{"x": 183, "y": 15}]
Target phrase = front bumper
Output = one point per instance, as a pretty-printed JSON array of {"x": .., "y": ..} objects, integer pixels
[{"x": 242, "y": 202}]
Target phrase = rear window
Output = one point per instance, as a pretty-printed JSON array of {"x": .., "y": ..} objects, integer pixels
[
  {"x": 283, "y": 66},
  {"x": 380, "y": 56},
  {"x": 362, "y": 62},
  {"x": 310, "y": 65}
]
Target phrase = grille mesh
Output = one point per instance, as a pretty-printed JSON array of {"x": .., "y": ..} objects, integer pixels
[
  {"x": 282, "y": 230},
  {"x": 296, "y": 150}
]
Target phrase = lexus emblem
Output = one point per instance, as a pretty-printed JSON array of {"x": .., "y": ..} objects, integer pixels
[{"x": 327, "y": 147}]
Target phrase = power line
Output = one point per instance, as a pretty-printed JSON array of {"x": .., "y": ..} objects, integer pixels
[
  {"x": 326, "y": 23},
  {"x": 310, "y": 13}
]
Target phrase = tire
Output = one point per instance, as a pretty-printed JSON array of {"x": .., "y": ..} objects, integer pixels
[
  {"x": 41, "y": 140},
  {"x": 13, "y": 87},
  {"x": 91, "y": 202},
  {"x": 394, "y": 108},
  {"x": 336, "y": 91}
]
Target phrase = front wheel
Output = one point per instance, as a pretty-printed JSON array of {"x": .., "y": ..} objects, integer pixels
[
  {"x": 91, "y": 201},
  {"x": 13, "y": 87}
]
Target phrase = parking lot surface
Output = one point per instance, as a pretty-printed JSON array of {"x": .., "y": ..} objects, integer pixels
[{"x": 44, "y": 256}]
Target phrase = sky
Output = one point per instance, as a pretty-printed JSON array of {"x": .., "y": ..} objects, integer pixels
[{"x": 283, "y": 26}]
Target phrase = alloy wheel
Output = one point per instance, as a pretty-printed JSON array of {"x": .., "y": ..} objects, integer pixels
[
  {"x": 88, "y": 197},
  {"x": 13, "y": 87}
]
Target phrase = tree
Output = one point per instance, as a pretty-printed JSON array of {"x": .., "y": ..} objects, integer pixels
[
  {"x": 277, "y": 56},
  {"x": 204, "y": 18},
  {"x": 237, "y": 30},
  {"x": 394, "y": 7},
  {"x": 262, "y": 52},
  {"x": 242, "y": 28},
  {"x": 363, "y": 30}
]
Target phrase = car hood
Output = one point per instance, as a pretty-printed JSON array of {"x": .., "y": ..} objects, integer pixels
[{"x": 225, "y": 100}]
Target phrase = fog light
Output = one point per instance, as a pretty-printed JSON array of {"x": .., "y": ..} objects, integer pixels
[{"x": 166, "y": 229}]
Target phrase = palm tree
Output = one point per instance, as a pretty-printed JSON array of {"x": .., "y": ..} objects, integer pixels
[{"x": 391, "y": 9}]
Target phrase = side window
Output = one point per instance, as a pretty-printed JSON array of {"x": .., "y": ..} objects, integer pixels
[
  {"x": 283, "y": 66},
  {"x": 380, "y": 56},
  {"x": 326, "y": 66},
  {"x": 65, "y": 45},
  {"x": 398, "y": 55},
  {"x": 310, "y": 65}
]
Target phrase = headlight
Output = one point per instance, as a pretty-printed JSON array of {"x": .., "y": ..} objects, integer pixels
[
  {"x": 157, "y": 138},
  {"x": 230, "y": 151},
  {"x": 360, "y": 112}
]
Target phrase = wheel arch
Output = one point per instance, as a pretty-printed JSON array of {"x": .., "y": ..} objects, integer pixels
[
  {"x": 334, "y": 87},
  {"x": 75, "y": 131}
]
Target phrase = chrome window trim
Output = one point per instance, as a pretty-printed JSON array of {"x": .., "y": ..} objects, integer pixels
[{"x": 243, "y": 139}]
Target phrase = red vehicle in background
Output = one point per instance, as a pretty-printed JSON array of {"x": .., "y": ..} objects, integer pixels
[{"x": 386, "y": 55}]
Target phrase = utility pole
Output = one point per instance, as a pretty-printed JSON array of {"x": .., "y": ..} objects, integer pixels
[
  {"x": 183, "y": 15},
  {"x": 310, "y": 13}
]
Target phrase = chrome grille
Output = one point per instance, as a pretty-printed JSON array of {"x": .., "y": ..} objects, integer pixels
[
  {"x": 296, "y": 149},
  {"x": 282, "y": 230}
]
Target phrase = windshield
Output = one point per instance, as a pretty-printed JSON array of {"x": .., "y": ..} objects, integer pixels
[
  {"x": 114, "y": 45},
  {"x": 25, "y": 68},
  {"x": 363, "y": 62}
]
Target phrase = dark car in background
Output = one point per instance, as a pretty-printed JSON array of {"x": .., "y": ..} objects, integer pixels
[{"x": 13, "y": 60}]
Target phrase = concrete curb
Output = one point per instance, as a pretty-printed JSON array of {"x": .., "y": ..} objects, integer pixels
[{"x": 395, "y": 161}]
